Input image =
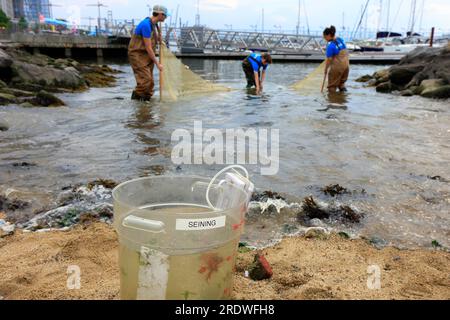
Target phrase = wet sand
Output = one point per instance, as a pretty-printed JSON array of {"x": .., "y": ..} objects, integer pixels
[{"x": 34, "y": 266}]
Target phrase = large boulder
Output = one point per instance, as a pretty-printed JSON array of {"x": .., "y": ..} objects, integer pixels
[
  {"x": 424, "y": 71},
  {"x": 5, "y": 60},
  {"x": 442, "y": 92},
  {"x": 382, "y": 75},
  {"x": 437, "y": 66},
  {"x": 407, "y": 93},
  {"x": 385, "y": 87},
  {"x": 402, "y": 75},
  {"x": 46, "y": 99},
  {"x": 7, "y": 99},
  {"x": 27, "y": 73},
  {"x": 364, "y": 78},
  {"x": 17, "y": 92},
  {"x": 430, "y": 85},
  {"x": 420, "y": 55}
]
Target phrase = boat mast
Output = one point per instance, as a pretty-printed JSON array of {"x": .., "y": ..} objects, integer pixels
[
  {"x": 380, "y": 13},
  {"x": 421, "y": 15},
  {"x": 355, "y": 31},
  {"x": 413, "y": 16},
  {"x": 388, "y": 15},
  {"x": 306, "y": 15},
  {"x": 197, "y": 16},
  {"x": 298, "y": 17}
]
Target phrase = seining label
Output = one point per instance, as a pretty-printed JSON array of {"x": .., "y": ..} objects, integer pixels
[{"x": 201, "y": 224}]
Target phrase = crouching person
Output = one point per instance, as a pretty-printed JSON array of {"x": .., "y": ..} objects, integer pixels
[{"x": 255, "y": 66}]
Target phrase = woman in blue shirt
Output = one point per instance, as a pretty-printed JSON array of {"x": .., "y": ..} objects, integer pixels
[
  {"x": 338, "y": 62},
  {"x": 253, "y": 65}
]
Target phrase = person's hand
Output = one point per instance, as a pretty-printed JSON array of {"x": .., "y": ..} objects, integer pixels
[{"x": 160, "y": 67}]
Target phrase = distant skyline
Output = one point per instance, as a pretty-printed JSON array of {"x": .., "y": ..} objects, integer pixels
[{"x": 278, "y": 15}]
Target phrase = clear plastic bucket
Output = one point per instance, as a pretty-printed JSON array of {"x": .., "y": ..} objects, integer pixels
[{"x": 173, "y": 245}]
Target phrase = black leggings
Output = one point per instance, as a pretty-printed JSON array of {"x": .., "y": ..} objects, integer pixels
[{"x": 249, "y": 73}]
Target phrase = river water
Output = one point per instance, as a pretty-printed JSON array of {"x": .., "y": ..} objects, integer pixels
[{"x": 387, "y": 145}]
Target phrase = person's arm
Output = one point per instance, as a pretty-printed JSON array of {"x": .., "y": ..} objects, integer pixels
[
  {"x": 331, "y": 51},
  {"x": 258, "y": 84},
  {"x": 151, "y": 53},
  {"x": 327, "y": 64},
  {"x": 263, "y": 78}
]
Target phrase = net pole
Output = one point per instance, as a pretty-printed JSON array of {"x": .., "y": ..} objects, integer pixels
[
  {"x": 161, "y": 81},
  {"x": 324, "y": 79},
  {"x": 323, "y": 83}
]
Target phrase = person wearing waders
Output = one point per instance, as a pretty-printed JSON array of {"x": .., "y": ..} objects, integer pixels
[
  {"x": 338, "y": 62},
  {"x": 255, "y": 66},
  {"x": 141, "y": 53}
]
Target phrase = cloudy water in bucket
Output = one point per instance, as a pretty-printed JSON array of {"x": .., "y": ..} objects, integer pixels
[
  {"x": 394, "y": 148},
  {"x": 181, "y": 274}
]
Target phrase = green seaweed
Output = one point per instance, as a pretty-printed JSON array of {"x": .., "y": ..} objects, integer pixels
[
  {"x": 436, "y": 244},
  {"x": 344, "y": 235}
]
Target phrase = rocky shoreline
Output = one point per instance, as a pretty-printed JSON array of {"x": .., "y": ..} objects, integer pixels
[
  {"x": 315, "y": 260},
  {"x": 86, "y": 204},
  {"x": 30, "y": 80},
  {"x": 424, "y": 72},
  {"x": 301, "y": 268}
]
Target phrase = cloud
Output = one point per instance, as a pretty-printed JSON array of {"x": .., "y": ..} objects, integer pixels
[{"x": 218, "y": 5}]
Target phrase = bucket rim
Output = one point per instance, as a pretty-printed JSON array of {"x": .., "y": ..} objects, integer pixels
[{"x": 200, "y": 178}]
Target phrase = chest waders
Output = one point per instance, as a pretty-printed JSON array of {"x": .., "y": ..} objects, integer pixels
[
  {"x": 339, "y": 71},
  {"x": 142, "y": 66}
]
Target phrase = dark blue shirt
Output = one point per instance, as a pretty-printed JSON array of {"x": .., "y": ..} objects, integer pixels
[
  {"x": 255, "y": 60},
  {"x": 335, "y": 47},
  {"x": 144, "y": 28}
]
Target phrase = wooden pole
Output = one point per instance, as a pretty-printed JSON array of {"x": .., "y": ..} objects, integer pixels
[
  {"x": 323, "y": 83},
  {"x": 161, "y": 81},
  {"x": 432, "y": 37}
]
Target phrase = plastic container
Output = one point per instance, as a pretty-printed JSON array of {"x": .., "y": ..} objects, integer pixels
[{"x": 173, "y": 245}]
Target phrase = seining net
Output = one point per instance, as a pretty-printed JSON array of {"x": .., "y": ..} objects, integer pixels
[
  {"x": 312, "y": 83},
  {"x": 178, "y": 81}
]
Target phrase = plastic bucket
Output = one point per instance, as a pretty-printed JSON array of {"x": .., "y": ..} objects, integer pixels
[{"x": 173, "y": 246}]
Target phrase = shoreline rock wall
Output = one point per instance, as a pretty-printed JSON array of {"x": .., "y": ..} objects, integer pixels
[
  {"x": 29, "y": 80},
  {"x": 424, "y": 71}
]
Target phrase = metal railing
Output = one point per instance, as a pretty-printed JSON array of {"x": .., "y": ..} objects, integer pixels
[{"x": 205, "y": 39}]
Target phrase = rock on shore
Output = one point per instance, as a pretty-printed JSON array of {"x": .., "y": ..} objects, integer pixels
[
  {"x": 30, "y": 80},
  {"x": 424, "y": 72}
]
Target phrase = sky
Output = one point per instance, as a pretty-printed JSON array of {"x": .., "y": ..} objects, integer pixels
[{"x": 278, "y": 14}]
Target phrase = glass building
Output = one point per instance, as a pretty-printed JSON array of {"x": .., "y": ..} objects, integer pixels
[
  {"x": 7, "y": 7},
  {"x": 32, "y": 9}
]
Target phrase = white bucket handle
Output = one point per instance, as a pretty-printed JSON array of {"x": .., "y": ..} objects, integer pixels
[{"x": 141, "y": 224}]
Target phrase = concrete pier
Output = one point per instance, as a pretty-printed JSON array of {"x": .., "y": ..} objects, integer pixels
[
  {"x": 104, "y": 47},
  {"x": 355, "y": 58}
]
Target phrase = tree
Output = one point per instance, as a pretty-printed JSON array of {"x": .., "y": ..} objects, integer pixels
[
  {"x": 23, "y": 24},
  {"x": 5, "y": 22}
]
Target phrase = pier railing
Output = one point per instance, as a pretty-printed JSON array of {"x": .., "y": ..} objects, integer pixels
[{"x": 205, "y": 39}]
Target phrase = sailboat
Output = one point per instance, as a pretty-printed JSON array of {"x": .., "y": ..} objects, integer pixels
[{"x": 394, "y": 42}]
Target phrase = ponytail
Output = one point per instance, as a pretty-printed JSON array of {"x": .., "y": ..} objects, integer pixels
[{"x": 331, "y": 31}]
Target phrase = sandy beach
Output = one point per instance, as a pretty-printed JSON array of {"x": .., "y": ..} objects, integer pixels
[{"x": 35, "y": 265}]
